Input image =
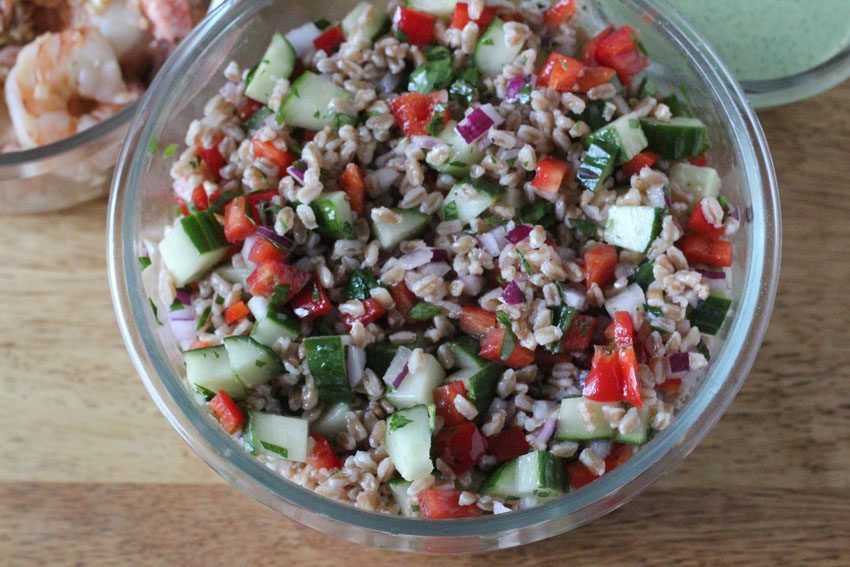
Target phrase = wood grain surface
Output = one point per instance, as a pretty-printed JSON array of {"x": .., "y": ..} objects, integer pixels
[{"x": 91, "y": 474}]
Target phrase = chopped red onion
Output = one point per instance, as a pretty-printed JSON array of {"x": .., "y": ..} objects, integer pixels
[
  {"x": 679, "y": 364},
  {"x": 478, "y": 122},
  {"x": 296, "y": 172},
  {"x": 472, "y": 285},
  {"x": 439, "y": 255},
  {"x": 401, "y": 376},
  {"x": 425, "y": 142},
  {"x": 548, "y": 429},
  {"x": 389, "y": 82},
  {"x": 712, "y": 274},
  {"x": 515, "y": 85},
  {"x": 512, "y": 295},
  {"x": 355, "y": 364},
  {"x": 302, "y": 38},
  {"x": 397, "y": 369},
  {"x": 184, "y": 296},
  {"x": 275, "y": 238},
  {"x": 519, "y": 234},
  {"x": 419, "y": 257},
  {"x": 438, "y": 269}
]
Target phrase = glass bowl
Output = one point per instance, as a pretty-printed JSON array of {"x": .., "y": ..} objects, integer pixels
[
  {"x": 65, "y": 173},
  {"x": 142, "y": 203}
]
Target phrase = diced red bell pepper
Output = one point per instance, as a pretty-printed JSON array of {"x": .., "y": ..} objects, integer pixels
[
  {"x": 240, "y": 220},
  {"x": 475, "y": 320},
  {"x": 592, "y": 77},
  {"x": 435, "y": 503},
  {"x": 698, "y": 222},
  {"x": 417, "y": 27},
  {"x": 413, "y": 111},
  {"x": 372, "y": 312},
  {"x": 351, "y": 182},
  {"x": 311, "y": 302},
  {"x": 508, "y": 444},
  {"x": 460, "y": 446},
  {"x": 460, "y": 17},
  {"x": 264, "y": 251},
  {"x": 226, "y": 412},
  {"x": 580, "y": 475},
  {"x": 235, "y": 312},
  {"x": 403, "y": 297},
  {"x": 213, "y": 158},
  {"x": 700, "y": 160},
  {"x": 600, "y": 264},
  {"x": 200, "y": 198},
  {"x": 549, "y": 174},
  {"x": 329, "y": 40},
  {"x": 282, "y": 158},
  {"x": 444, "y": 399},
  {"x": 699, "y": 249},
  {"x": 322, "y": 455},
  {"x": 184, "y": 209},
  {"x": 641, "y": 160},
  {"x": 559, "y": 13},
  {"x": 619, "y": 50},
  {"x": 559, "y": 72},
  {"x": 268, "y": 275},
  {"x": 580, "y": 334},
  {"x": 491, "y": 349},
  {"x": 613, "y": 376},
  {"x": 669, "y": 385},
  {"x": 588, "y": 52},
  {"x": 249, "y": 109}
]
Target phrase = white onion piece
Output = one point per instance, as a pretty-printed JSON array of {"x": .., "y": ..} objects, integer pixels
[
  {"x": 184, "y": 330},
  {"x": 184, "y": 314},
  {"x": 575, "y": 298},
  {"x": 425, "y": 142},
  {"x": 246, "y": 248},
  {"x": 384, "y": 178},
  {"x": 438, "y": 269},
  {"x": 302, "y": 38},
  {"x": 630, "y": 299},
  {"x": 355, "y": 364},
  {"x": 259, "y": 307},
  {"x": 472, "y": 284},
  {"x": 412, "y": 260}
]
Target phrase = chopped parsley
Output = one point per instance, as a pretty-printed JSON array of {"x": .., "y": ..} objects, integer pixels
[
  {"x": 321, "y": 23},
  {"x": 176, "y": 305},
  {"x": 397, "y": 421},
  {"x": 488, "y": 41},
  {"x": 316, "y": 295},
  {"x": 524, "y": 95},
  {"x": 359, "y": 284},
  {"x": 280, "y": 294},
  {"x": 204, "y": 318},
  {"x": 341, "y": 119},
  {"x": 438, "y": 120},
  {"x": 424, "y": 311},
  {"x": 450, "y": 210},
  {"x": 207, "y": 394},
  {"x": 155, "y": 314},
  {"x": 275, "y": 448},
  {"x": 259, "y": 363},
  {"x": 144, "y": 261},
  {"x": 219, "y": 300},
  {"x": 540, "y": 212},
  {"x": 525, "y": 263},
  {"x": 399, "y": 35},
  {"x": 586, "y": 227}
]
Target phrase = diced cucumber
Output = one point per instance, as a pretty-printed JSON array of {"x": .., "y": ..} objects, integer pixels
[
  {"x": 597, "y": 165},
  {"x": 399, "y": 486},
  {"x": 308, "y": 103},
  {"x": 644, "y": 275},
  {"x": 442, "y": 8},
  {"x": 633, "y": 228},
  {"x": 469, "y": 198},
  {"x": 209, "y": 368},
  {"x": 277, "y": 435},
  {"x": 379, "y": 356},
  {"x": 275, "y": 325},
  {"x": 193, "y": 245},
  {"x": 480, "y": 384},
  {"x": 277, "y": 63},
  {"x": 391, "y": 234},
  {"x": 595, "y": 112},
  {"x": 538, "y": 473},
  {"x": 492, "y": 54},
  {"x": 252, "y": 363},
  {"x": 334, "y": 216},
  {"x": 640, "y": 434},
  {"x": 326, "y": 360},
  {"x": 630, "y": 300},
  {"x": 698, "y": 181},
  {"x": 466, "y": 351},
  {"x": 625, "y": 134},
  {"x": 332, "y": 422},
  {"x": 461, "y": 154},
  {"x": 710, "y": 313},
  {"x": 408, "y": 441},
  {"x": 255, "y": 122},
  {"x": 572, "y": 428},
  {"x": 367, "y": 19},
  {"x": 417, "y": 388},
  {"x": 678, "y": 138}
]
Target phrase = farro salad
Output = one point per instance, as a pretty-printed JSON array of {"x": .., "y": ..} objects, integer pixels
[{"x": 448, "y": 259}]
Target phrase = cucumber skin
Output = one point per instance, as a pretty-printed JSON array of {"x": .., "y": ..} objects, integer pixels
[
  {"x": 674, "y": 140},
  {"x": 326, "y": 360},
  {"x": 710, "y": 313}
]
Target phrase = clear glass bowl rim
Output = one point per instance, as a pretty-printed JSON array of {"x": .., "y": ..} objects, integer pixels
[{"x": 728, "y": 372}]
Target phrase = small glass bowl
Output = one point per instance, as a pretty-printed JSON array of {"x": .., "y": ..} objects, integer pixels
[{"x": 142, "y": 204}]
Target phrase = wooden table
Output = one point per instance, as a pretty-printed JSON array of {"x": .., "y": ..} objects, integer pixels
[{"x": 91, "y": 473}]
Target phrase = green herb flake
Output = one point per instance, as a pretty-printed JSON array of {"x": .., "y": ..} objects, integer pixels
[
  {"x": 724, "y": 202},
  {"x": 458, "y": 163},
  {"x": 397, "y": 421},
  {"x": 275, "y": 449},
  {"x": 280, "y": 294},
  {"x": 155, "y": 314},
  {"x": 259, "y": 363},
  {"x": 170, "y": 151},
  {"x": 400, "y": 35},
  {"x": 317, "y": 114},
  {"x": 219, "y": 300},
  {"x": 204, "y": 318},
  {"x": 321, "y": 23},
  {"x": 176, "y": 305},
  {"x": 438, "y": 120},
  {"x": 540, "y": 212},
  {"x": 525, "y": 263},
  {"x": 524, "y": 95},
  {"x": 206, "y": 393},
  {"x": 450, "y": 210},
  {"x": 341, "y": 119},
  {"x": 702, "y": 348},
  {"x": 414, "y": 507},
  {"x": 316, "y": 296},
  {"x": 488, "y": 41},
  {"x": 587, "y": 228},
  {"x": 504, "y": 319},
  {"x": 424, "y": 311},
  {"x": 144, "y": 262},
  {"x": 360, "y": 282},
  {"x": 652, "y": 310}
]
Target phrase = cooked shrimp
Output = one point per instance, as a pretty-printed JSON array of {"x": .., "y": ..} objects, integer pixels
[
  {"x": 63, "y": 83},
  {"x": 121, "y": 22},
  {"x": 171, "y": 20}
]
